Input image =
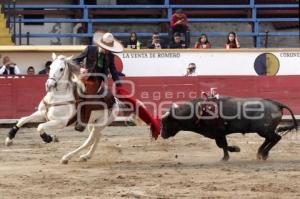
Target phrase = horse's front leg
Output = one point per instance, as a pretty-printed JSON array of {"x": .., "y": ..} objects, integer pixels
[
  {"x": 65, "y": 159},
  {"x": 97, "y": 131},
  {"x": 50, "y": 125},
  {"x": 35, "y": 117},
  {"x": 95, "y": 141}
]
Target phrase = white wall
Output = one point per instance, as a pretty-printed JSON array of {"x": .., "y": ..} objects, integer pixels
[{"x": 167, "y": 62}]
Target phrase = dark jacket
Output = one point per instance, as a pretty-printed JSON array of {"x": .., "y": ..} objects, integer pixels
[
  {"x": 9, "y": 70},
  {"x": 91, "y": 55},
  {"x": 152, "y": 46},
  {"x": 44, "y": 72},
  {"x": 182, "y": 44}
]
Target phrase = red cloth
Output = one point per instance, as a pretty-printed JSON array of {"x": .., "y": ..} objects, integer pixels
[
  {"x": 174, "y": 19},
  {"x": 142, "y": 112}
]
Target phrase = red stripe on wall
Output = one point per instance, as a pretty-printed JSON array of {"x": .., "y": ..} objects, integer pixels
[{"x": 20, "y": 97}]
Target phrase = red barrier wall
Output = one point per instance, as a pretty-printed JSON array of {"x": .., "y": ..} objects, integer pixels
[{"x": 21, "y": 95}]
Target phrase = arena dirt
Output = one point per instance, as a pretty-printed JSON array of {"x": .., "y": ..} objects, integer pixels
[{"x": 127, "y": 164}]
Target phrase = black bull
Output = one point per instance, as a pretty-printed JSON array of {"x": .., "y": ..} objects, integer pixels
[{"x": 216, "y": 118}]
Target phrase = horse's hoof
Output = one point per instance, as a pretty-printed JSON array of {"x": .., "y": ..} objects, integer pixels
[
  {"x": 264, "y": 157},
  {"x": 237, "y": 149},
  {"x": 64, "y": 161},
  {"x": 83, "y": 159},
  {"x": 258, "y": 156},
  {"x": 54, "y": 138},
  {"x": 225, "y": 158},
  {"x": 8, "y": 142}
]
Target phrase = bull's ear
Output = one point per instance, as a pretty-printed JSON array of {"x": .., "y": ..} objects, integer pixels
[{"x": 53, "y": 56}]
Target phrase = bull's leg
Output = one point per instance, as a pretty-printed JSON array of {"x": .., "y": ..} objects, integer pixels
[
  {"x": 234, "y": 149},
  {"x": 274, "y": 139},
  {"x": 34, "y": 117},
  {"x": 271, "y": 140},
  {"x": 222, "y": 143},
  {"x": 261, "y": 148}
]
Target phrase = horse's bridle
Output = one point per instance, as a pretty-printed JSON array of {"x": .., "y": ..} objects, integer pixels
[{"x": 52, "y": 78}]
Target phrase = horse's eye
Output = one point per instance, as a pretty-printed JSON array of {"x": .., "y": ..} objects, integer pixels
[{"x": 61, "y": 69}]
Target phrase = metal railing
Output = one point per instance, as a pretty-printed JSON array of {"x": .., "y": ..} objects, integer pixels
[
  {"x": 254, "y": 20},
  {"x": 8, "y": 9}
]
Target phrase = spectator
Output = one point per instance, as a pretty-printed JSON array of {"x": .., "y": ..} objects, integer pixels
[
  {"x": 9, "y": 68},
  {"x": 133, "y": 42},
  {"x": 30, "y": 70},
  {"x": 156, "y": 42},
  {"x": 232, "y": 41},
  {"x": 179, "y": 23},
  {"x": 191, "y": 70},
  {"x": 203, "y": 42},
  {"x": 178, "y": 42},
  {"x": 47, "y": 68}
]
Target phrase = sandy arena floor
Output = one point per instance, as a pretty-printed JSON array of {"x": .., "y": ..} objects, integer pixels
[{"x": 128, "y": 165}]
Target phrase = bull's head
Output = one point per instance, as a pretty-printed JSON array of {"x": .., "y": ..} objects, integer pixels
[{"x": 169, "y": 124}]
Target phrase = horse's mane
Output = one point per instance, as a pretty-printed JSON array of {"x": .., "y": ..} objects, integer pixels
[{"x": 74, "y": 72}]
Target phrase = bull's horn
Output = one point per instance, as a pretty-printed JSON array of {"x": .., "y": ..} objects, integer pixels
[
  {"x": 165, "y": 115},
  {"x": 174, "y": 105}
]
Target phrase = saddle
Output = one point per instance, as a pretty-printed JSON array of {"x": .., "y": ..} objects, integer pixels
[{"x": 95, "y": 97}]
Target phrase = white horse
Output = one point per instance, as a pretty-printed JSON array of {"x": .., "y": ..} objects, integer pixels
[{"x": 58, "y": 107}]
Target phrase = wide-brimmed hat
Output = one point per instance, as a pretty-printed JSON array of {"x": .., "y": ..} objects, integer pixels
[{"x": 108, "y": 42}]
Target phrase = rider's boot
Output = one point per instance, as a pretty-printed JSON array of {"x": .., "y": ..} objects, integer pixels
[{"x": 82, "y": 118}]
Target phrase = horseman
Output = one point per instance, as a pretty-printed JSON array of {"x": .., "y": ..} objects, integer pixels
[{"x": 99, "y": 62}]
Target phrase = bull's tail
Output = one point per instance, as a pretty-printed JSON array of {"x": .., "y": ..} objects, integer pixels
[{"x": 288, "y": 127}]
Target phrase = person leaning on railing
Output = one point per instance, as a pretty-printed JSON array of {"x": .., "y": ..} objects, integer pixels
[
  {"x": 202, "y": 42},
  {"x": 9, "y": 68},
  {"x": 232, "y": 41}
]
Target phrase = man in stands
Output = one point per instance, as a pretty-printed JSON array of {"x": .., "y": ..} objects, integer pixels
[
  {"x": 46, "y": 70},
  {"x": 30, "y": 70},
  {"x": 8, "y": 67},
  {"x": 177, "y": 41},
  {"x": 100, "y": 60},
  {"x": 179, "y": 23},
  {"x": 156, "y": 42},
  {"x": 191, "y": 70}
]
